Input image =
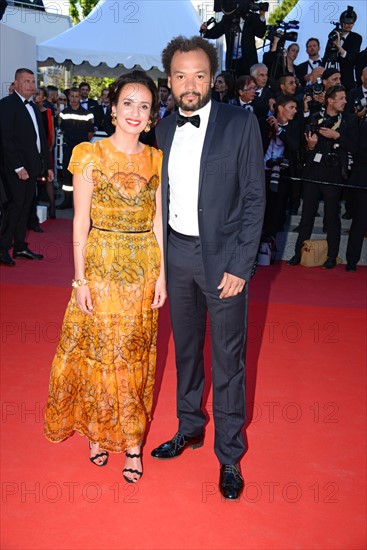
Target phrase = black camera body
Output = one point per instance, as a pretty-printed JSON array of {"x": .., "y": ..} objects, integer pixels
[
  {"x": 230, "y": 6},
  {"x": 282, "y": 31},
  {"x": 314, "y": 126},
  {"x": 334, "y": 34},
  {"x": 359, "y": 104}
]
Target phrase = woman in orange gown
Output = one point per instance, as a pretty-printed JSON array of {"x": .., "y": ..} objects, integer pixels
[{"x": 102, "y": 376}]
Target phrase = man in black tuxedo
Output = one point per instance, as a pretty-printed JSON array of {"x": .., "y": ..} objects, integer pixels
[
  {"x": 241, "y": 46},
  {"x": 348, "y": 45},
  {"x": 310, "y": 70},
  {"x": 263, "y": 94},
  {"x": 25, "y": 156},
  {"x": 89, "y": 104},
  {"x": 102, "y": 114},
  {"x": 213, "y": 198}
]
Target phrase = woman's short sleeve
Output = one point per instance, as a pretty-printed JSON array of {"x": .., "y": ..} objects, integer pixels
[{"x": 82, "y": 156}]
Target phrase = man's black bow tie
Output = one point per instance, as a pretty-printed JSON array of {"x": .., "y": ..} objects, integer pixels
[
  {"x": 26, "y": 102},
  {"x": 317, "y": 62},
  {"x": 181, "y": 120}
]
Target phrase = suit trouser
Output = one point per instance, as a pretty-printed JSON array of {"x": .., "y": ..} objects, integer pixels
[
  {"x": 189, "y": 301},
  {"x": 359, "y": 224},
  {"x": 311, "y": 195},
  {"x": 17, "y": 212},
  {"x": 276, "y": 202}
]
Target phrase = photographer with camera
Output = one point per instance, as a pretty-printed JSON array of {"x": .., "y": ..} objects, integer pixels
[
  {"x": 343, "y": 48},
  {"x": 281, "y": 136},
  {"x": 280, "y": 61},
  {"x": 330, "y": 136},
  {"x": 242, "y": 21},
  {"x": 314, "y": 98}
]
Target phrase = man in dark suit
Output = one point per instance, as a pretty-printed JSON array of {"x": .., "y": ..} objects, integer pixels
[
  {"x": 89, "y": 104},
  {"x": 310, "y": 70},
  {"x": 259, "y": 72},
  {"x": 213, "y": 198},
  {"x": 281, "y": 136},
  {"x": 359, "y": 93},
  {"x": 241, "y": 45},
  {"x": 24, "y": 157},
  {"x": 348, "y": 45}
]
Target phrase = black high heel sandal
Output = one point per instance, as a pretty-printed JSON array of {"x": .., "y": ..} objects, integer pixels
[
  {"x": 95, "y": 457},
  {"x": 137, "y": 472}
]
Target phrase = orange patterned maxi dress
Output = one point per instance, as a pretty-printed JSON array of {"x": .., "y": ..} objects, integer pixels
[{"x": 102, "y": 376}]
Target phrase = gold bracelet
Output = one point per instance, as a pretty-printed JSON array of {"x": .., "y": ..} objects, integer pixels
[{"x": 75, "y": 283}]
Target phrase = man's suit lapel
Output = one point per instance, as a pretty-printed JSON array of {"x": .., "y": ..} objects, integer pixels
[{"x": 208, "y": 139}]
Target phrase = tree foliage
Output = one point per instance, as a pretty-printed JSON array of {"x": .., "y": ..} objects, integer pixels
[
  {"x": 96, "y": 84},
  {"x": 281, "y": 11},
  {"x": 79, "y": 9}
]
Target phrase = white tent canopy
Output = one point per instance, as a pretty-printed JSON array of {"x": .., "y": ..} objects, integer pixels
[{"x": 122, "y": 34}]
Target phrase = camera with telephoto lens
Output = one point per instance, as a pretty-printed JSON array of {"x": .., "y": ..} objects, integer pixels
[
  {"x": 334, "y": 34},
  {"x": 315, "y": 89},
  {"x": 359, "y": 104},
  {"x": 314, "y": 126},
  {"x": 280, "y": 161},
  {"x": 281, "y": 31}
]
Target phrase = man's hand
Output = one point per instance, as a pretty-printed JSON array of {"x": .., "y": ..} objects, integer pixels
[
  {"x": 360, "y": 114},
  {"x": 311, "y": 139},
  {"x": 23, "y": 174},
  {"x": 230, "y": 285},
  {"x": 204, "y": 28},
  {"x": 271, "y": 104},
  {"x": 272, "y": 121},
  {"x": 50, "y": 175},
  {"x": 329, "y": 133}
]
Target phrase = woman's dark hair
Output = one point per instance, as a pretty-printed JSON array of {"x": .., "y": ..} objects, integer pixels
[
  {"x": 230, "y": 83},
  {"x": 184, "y": 44},
  {"x": 43, "y": 90},
  {"x": 135, "y": 77}
]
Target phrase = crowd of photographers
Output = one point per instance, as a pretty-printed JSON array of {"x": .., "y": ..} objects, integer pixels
[{"x": 312, "y": 118}]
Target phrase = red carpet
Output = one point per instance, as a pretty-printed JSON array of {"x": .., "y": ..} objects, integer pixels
[{"x": 305, "y": 468}]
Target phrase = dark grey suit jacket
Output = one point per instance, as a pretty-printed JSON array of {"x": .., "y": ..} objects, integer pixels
[{"x": 231, "y": 199}]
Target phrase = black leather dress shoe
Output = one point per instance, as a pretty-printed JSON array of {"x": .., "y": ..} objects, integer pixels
[
  {"x": 295, "y": 260},
  {"x": 36, "y": 229},
  {"x": 176, "y": 446},
  {"x": 27, "y": 254},
  {"x": 6, "y": 259},
  {"x": 351, "y": 267},
  {"x": 330, "y": 263},
  {"x": 230, "y": 481}
]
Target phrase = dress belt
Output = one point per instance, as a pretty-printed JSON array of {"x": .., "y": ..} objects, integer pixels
[{"x": 118, "y": 230}]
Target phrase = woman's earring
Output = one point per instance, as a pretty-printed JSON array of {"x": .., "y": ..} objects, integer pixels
[
  {"x": 114, "y": 119},
  {"x": 148, "y": 127}
]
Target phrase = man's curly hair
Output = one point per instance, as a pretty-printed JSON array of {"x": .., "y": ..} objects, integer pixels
[{"x": 184, "y": 44}]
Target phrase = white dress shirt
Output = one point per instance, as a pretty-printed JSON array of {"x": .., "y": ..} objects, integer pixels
[{"x": 183, "y": 173}]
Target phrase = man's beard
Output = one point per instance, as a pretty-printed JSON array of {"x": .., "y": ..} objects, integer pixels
[{"x": 202, "y": 100}]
